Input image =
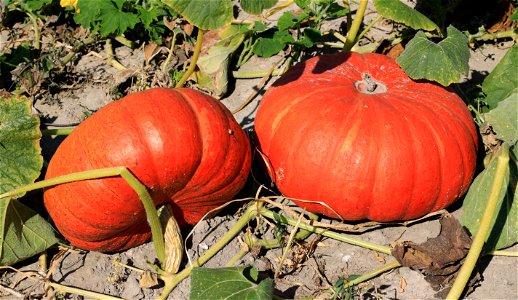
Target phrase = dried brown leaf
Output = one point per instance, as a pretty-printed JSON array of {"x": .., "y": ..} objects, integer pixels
[{"x": 438, "y": 258}]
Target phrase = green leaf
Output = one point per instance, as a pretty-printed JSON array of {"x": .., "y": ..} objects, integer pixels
[
  {"x": 514, "y": 17},
  {"x": 335, "y": 10},
  {"x": 215, "y": 63},
  {"x": 35, "y": 5},
  {"x": 229, "y": 283},
  {"x": 504, "y": 119},
  {"x": 304, "y": 4},
  {"x": 502, "y": 82},
  {"x": 504, "y": 231},
  {"x": 20, "y": 151},
  {"x": 272, "y": 43},
  {"x": 204, "y": 14},
  {"x": 311, "y": 37},
  {"x": 443, "y": 62},
  {"x": 24, "y": 232},
  {"x": 397, "y": 11},
  {"x": 255, "y": 7},
  {"x": 288, "y": 20}
]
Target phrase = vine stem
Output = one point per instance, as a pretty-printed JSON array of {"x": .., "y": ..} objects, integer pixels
[
  {"x": 484, "y": 228},
  {"x": 194, "y": 59},
  {"x": 355, "y": 26},
  {"x": 110, "y": 57},
  {"x": 133, "y": 182},
  {"x": 171, "y": 51},
  {"x": 373, "y": 273},
  {"x": 331, "y": 234},
  {"x": 171, "y": 281},
  {"x": 59, "y": 131}
]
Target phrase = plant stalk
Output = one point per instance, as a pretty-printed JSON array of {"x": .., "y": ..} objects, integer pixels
[
  {"x": 171, "y": 281},
  {"x": 134, "y": 183},
  {"x": 355, "y": 26},
  {"x": 485, "y": 226},
  {"x": 60, "y": 131},
  {"x": 331, "y": 234},
  {"x": 194, "y": 59}
]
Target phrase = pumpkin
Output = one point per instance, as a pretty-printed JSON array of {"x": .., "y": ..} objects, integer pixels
[
  {"x": 183, "y": 145},
  {"x": 355, "y": 138}
]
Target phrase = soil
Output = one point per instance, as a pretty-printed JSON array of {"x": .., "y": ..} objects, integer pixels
[{"x": 90, "y": 84}]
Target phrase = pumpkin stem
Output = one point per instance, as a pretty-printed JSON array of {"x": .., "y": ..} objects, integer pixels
[{"x": 368, "y": 85}]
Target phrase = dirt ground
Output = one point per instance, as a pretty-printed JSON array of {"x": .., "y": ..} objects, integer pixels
[{"x": 92, "y": 87}]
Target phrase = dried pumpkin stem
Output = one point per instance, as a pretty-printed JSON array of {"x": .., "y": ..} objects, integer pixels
[
  {"x": 134, "y": 183},
  {"x": 485, "y": 226},
  {"x": 194, "y": 59},
  {"x": 331, "y": 234}
]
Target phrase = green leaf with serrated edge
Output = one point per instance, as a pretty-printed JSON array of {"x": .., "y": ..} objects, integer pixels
[
  {"x": 502, "y": 81},
  {"x": 20, "y": 151},
  {"x": 504, "y": 119},
  {"x": 24, "y": 232},
  {"x": 397, "y": 11},
  {"x": 229, "y": 283},
  {"x": 443, "y": 62},
  {"x": 504, "y": 231},
  {"x": 255, "y": 7},
  {"x": 204, "y": 14}
]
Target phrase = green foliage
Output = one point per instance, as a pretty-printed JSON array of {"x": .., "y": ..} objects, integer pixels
[
  {"x": 504, "y": 119},
  {"x": 255, "y": 7},
  {"x": 20, "y": 159},
  {"x": 211, "y": 14},
  {"x": 229, "y": 283},
  {"x": 343, "y": 290},
  {"x": 23, "y": 233},
  {"x": 443, "y": 62},
  {"x": 397, "y": 11},
  {"x": 502, "y": 82},
  {"x": 290, "y": 31},
  {"x": 504, "y": 226},
  {"x": 116, "y": 17}
]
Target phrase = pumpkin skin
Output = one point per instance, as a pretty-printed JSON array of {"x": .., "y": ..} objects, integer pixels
[
  {"x": 400, "y": 152},
  {"x": 185, "y": 146}
]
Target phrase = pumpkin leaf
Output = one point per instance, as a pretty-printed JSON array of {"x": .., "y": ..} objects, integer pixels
[
  {"x": 229, "y": 283},
  {"x": 443, "y": 62},
  {"x": 504, "y": 231},
  {"x": 504, "y": 119},
  {"x": 255, "y": 7},
  {"x": 502, "y": 81},
  {"x": 397, "y": 11},
  {"x": 214, "y": 62},
  {"x": 24, "y": 232},
  {"x": 20, "y": 151},
  {"x": 211, "y": 14}
]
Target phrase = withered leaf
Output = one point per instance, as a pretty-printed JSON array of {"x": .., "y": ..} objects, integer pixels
[{"x": 438, "y": 258}]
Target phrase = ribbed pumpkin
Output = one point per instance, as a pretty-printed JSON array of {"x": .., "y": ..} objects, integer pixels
[
  {"x": 355, "y": 132},
  {"x": 183, "y": 145}
]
